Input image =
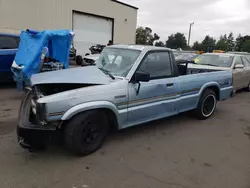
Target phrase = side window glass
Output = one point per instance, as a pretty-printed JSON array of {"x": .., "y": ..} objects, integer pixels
[
  {"x": 7, "y": 42},
  {"x": 246, "y": 62},
  {"x": 157, "y": 64},
  {"x": 17, "y": 39},
  {"x": 238, "y": 61}
]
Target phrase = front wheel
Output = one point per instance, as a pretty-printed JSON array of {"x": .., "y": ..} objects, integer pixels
[
  {"x": 86, "y": 132},
  {"x": 248, "y": 87},
  {"x": 206, "y": 105}
]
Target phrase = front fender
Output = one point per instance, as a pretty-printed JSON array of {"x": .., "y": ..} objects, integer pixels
[{"x": 89, "y": 106}]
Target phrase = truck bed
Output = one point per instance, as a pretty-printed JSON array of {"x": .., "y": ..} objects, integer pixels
[{"x": 185, "y": 69}]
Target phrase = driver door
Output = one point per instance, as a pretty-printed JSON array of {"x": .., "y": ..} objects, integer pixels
[{"x": 158, "y": 97}]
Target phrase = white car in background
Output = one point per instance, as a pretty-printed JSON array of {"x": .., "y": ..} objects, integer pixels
[
  {"x": 238, "y": 63},
  {"x": 246, "y": 54},
  {"x": 90, "y": 59}
]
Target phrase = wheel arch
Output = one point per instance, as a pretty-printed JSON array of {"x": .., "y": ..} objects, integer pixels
[
  {"x": 107, "y": 107},
  {"x": 212, "y": 86}
]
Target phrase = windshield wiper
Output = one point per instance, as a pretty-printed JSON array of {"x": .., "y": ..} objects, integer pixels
[
  {"x": 209, "y": 64},
  {"x": 106, "y": 72}
]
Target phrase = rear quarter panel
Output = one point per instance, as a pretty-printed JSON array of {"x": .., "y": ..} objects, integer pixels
[{"x": 192, "y": 86}]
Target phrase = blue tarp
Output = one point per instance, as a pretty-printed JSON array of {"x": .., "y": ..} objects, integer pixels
[
  {"x": 32, "y": 43},
  {"x": 30, "y": 50}
]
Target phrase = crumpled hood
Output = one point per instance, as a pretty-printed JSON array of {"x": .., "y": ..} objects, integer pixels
[{"x": 83, "y": 75}]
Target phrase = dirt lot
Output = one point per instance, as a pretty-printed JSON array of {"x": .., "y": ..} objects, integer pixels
[{"x": 180, "y": 152}]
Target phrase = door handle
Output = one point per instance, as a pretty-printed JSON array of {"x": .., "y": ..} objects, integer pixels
[{"x": 170, "y": 84}]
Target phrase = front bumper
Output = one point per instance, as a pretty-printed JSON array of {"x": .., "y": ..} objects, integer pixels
[
  {"x": 31, "y": 135},
  {"x": 33, "y": 138}
]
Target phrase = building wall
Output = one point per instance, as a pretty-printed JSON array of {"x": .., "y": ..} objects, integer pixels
[{"x": 16, "y": 15}]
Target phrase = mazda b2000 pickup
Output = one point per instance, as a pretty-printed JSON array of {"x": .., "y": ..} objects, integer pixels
[{"x": 129, "y": 85}]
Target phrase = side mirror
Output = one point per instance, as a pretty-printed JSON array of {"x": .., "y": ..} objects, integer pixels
[
  {"x": 239, "y": 66},
  {"x": 141, "y": 77}
]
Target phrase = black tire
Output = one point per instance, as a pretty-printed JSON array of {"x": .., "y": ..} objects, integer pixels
[
  {"x": 248, "y": 87},
  {"x": 233, "y": 94},
  {"x": 86, "y": 132},
  {"x": 207, "y": 105},
  {"x": 79, "y": 60}
]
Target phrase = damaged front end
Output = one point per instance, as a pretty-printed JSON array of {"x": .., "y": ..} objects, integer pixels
[
  {"x": 32, "y": 129},
  {"x": 35, "y": 127},
  {"x": 49, "y": 98}
]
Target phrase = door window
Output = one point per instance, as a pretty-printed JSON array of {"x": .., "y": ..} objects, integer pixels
[
  {"x": 246, "y": 62},
  {"x": 8, "y": 42},
  {"x": 157, "y": 64},
  {"x": 238, "y": 61}
]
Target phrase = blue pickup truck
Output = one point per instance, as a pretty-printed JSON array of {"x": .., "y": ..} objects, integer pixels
[
  {"x": 129, "y": 85},
  {"x": 8, "y": 48}
]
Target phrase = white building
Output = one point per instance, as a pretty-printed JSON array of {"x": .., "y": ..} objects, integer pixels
[{"x": 93, "y": 21}]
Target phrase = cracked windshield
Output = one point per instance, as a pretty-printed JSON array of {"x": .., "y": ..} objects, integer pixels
[{"x": 125, "y": 94}]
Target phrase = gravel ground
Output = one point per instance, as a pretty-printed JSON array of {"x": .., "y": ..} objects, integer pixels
[{"x": 178, "y": 152}]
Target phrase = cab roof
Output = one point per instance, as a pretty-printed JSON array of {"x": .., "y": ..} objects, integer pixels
[{"x": 139, "y": 47}]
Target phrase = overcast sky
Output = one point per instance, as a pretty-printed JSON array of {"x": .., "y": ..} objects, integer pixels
[{"x": 213, "y": 17}]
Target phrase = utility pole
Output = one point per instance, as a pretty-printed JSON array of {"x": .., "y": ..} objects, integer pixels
[{"x": 190, "y": 29}]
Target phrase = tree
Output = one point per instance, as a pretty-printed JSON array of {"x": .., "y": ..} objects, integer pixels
[
  {"x": 145, "y": 36},
  {"x": 208, "y": 44},
  {"x": 240, "y": 42},
  {"x": 230, "y": 42},
  {"x": 160, "y": 43},
  {"x": 246, "y": 46},
  {"x": 222, "y": 43},
  {"x": 197, "y": 46},
  {"x": 177, "y": 40},
  {"x": 225, "y": 37}
]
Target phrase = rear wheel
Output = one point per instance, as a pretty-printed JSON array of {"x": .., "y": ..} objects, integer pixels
[
  {"x": 248, "y": 87},
  {"x": 86, "y": 132},
  {"x": 206, "y": 105}
]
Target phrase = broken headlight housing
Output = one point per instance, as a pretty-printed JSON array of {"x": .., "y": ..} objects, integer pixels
[
  {"x": 41, "y": 113},
  {"x": 38, "y": 109}
]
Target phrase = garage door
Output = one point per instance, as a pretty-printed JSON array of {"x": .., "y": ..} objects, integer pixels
[{"x": 90, "y": 30}]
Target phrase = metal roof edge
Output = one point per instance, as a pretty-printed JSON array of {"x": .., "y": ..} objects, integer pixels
[{"x": 125, "y": 4}]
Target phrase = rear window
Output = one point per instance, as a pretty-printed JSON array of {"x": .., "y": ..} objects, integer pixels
[{"x": 9, "y": 42}]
